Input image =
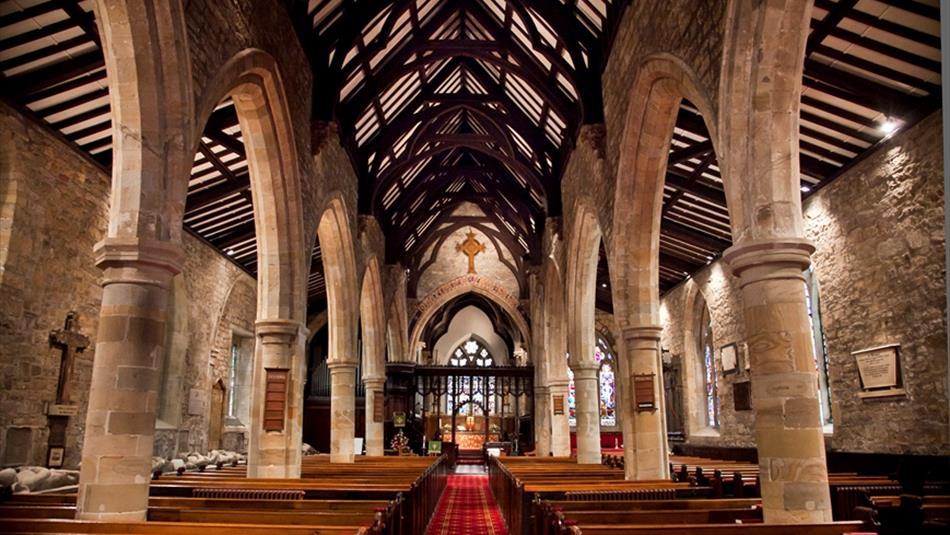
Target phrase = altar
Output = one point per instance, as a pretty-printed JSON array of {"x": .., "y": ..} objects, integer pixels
[{"x": 473, "y": 440}]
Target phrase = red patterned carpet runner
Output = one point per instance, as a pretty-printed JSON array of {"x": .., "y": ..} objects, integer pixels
[{"x": 467, "y": 507}]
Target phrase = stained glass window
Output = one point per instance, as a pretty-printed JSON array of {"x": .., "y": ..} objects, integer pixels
[
  {"x": 710, "y": 369},
  {"x": 608, "y": 386},
  {"x": 607, "y": 382},
  {"x": 472, "y": 391},
  {"x": 571, "y": 400}
]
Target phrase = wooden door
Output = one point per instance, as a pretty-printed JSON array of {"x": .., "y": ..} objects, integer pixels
[
  {"x": 216, "y": 419},
  {"x": 672, "y": 380}
]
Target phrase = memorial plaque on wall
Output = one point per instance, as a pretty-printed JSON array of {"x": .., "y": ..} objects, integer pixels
[
  {"x": 643, "y": 393},
  {"x": 275, "y": 399},
  {"x": 558, "y": 405},
  {"x": 879, "y": 370},
  {"x": 742, "y": 396},
  {"x": 379, "y": 405}
]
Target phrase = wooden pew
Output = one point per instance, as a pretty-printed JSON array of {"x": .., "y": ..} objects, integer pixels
[
  {"x": 836, "y": 528},
  {"x": 355, "y": 501},
  {"x": 17, "y": 526}
]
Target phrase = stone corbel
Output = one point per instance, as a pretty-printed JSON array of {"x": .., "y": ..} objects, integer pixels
[{"x": 761, "y": 260}]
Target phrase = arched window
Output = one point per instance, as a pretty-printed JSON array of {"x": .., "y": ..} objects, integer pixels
[
  {"x": 608, "y": 386},
  {"x": 707, "y": 354},
  {"x": 472, "y": 391},
  {"x": 819, "y": 345}
]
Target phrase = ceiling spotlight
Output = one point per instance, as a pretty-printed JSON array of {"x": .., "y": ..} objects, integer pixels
[
  {"x": 230, "y": 252},
  {"x": 889, "y": 126},
  {"x": 709, "y": 257},
  {"x": 603, "y": 285},
  {"x": 806, "y": 189}
]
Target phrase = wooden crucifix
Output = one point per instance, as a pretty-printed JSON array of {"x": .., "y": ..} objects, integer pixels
[
  {"x": 470, "y": 247},
  {"x": 70, "y": 342}
]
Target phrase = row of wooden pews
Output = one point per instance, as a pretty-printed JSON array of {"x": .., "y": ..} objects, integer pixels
[
  {"x": 547, "y": 496},
  {"x": 378, "y": 496}
]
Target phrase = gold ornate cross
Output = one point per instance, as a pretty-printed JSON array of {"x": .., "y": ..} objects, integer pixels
[{"x": 470, "y": 247}]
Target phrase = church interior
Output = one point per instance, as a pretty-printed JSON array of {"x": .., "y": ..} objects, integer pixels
[{"x": 405, "y": 267}]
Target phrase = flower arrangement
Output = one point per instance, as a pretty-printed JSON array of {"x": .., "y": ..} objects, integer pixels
[{"x": 400, "y": 442}]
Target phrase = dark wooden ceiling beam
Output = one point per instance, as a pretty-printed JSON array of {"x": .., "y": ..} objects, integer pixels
[
  {"x": 693, "y": 237},
  {"x": 821, "y": 30},
  {"x": 22, "y": 85}
]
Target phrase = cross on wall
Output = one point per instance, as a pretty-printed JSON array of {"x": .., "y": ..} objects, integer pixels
[{"x": 470, "y": 247}]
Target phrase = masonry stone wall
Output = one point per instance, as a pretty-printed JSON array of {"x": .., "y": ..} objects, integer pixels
[
  {"x": 54, "y": 209},
  {"x": 879, "y": 260},
  {"x": 448, "y": 264}
]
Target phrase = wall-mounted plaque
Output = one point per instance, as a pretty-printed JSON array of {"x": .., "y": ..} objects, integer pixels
[
  {"x": 879, "y": 371},
  {"x": 55, "y": 459},
  {"x": 379, "y": 407},
  {"x": 742, "y": 396},
  {"x": 728, "y": 356},
  {"x": 644, "y": 398},
  {"x": 399, "y": 419},
  {"x": 275, "y": 399},
  {"x": 558, "y": 404}
]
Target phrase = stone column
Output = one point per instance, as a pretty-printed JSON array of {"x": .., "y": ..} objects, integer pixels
[
  {"x": 123, "y": 395},
  {"x": 342, "y": 411},
  {"x": 542, "y": 421},
  {"x": 560, "y": 426},
  {"x": 280, "y": 348},
  {"x": 644, "y": 433},
  {"x": 374, "y": 388},
  {"x": 587, "y": 411},
  {"x": 785, "y": 395}
]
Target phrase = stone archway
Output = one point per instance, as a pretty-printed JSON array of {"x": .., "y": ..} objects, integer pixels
[
  {"x": 583, "y": 247},
  {"x": 373, "y": 322},
  {"x": 253, "y": 80},
  {"x": 144, "y": 43},
  {"x": 343, "y": 298},
  {"x": 661, "y": 82},
  {"x": 470, "y": 283},
  {"x": 555, "y": 354}
]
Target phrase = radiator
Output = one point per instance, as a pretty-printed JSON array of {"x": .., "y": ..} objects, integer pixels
[
  {"x": 247, "y": 494},
  {"x": 621, "y": 495}
]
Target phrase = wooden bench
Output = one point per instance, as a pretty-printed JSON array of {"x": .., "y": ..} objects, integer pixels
[
  {"x": 17, "y": 526},
  {"x": 836, "y": 528},
  {"x": 353, "y": 503}
]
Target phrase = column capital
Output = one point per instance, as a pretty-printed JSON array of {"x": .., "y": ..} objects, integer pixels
[
  {"x": 642, "y": 332},
  {"x": 340, "y": 366},
  {"x": 771, "y": 259},
  {"x": 136, "y": 260},
  {"x": 277, "y": 330},
  {"x": 542, "y": 390},
  {"x": 585, "y": 370},
  {"x": 374, "y": 382}
]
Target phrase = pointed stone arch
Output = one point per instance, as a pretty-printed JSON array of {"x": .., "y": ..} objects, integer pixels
[
  {"x": 555, "y": 352},
  {"x": 583, "y": 248},
  {"x": 373, "y": 324},
  {"x": 253, "y": 79},
  {"x": 343, "y": 297}
]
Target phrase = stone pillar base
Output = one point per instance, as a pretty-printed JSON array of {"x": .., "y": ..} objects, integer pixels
[
  {"x": 342, "y": 411},
  {"x": 785, "y": 397},
  {"x": 587, "y": 410},
  {"x": 120, "y": 420},
  {"x": 374, "y": 388}
]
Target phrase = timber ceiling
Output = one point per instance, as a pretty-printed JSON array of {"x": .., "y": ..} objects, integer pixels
[{"x": 443, "y": 102}]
